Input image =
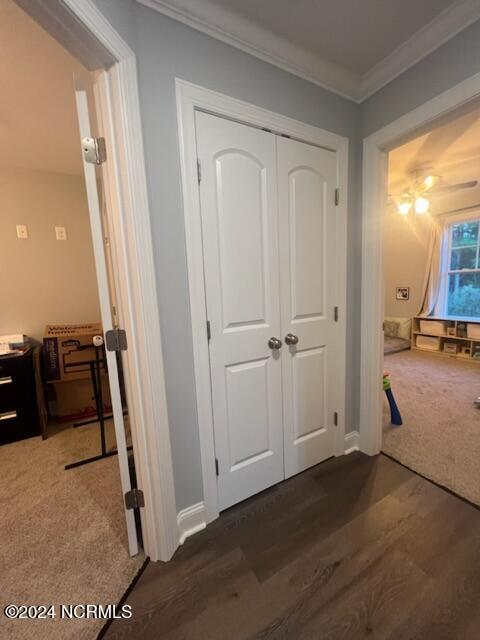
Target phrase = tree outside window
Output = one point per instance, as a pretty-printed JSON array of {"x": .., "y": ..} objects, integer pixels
[{"x": 463, "y": 297}]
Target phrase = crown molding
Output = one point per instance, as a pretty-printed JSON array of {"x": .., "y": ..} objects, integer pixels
[
  {"x": 433, "y": 35},
  {"x": 225, "y": 25}
]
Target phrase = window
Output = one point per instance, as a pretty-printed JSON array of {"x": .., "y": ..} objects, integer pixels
[{"x": 463, "y": 272}]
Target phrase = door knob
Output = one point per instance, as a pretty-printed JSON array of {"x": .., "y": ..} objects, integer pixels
[
  {"x": 291, "y": 338},
  {"x": 274, "y": 343}
]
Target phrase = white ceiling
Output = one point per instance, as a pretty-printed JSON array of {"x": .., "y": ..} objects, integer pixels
[
  {"x": 38, "y": 127},
  {"x": 352, "y": 47},
  {"x": 451, "y": 151},
  {"x": 355, "y": 34}
]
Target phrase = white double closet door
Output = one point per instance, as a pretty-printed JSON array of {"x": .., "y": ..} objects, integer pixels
[{"x": 268, "y": 223}]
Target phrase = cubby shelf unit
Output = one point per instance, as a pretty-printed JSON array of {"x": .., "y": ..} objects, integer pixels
[{"x": 464, "y": 334}]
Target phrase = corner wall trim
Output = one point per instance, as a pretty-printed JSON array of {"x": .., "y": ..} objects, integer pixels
[
  {"x": 191, "y": 520},
  {"x": 352, "y": 442}
]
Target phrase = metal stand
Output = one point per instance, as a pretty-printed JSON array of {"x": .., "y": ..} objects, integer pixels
[
  {"x": 94, "y": 420},
  {"x": 91, "y": 421},
  {"x": 98, "y": 395}
]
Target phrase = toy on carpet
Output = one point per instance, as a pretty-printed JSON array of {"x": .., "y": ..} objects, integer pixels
[{"x": 395, "y": 417}]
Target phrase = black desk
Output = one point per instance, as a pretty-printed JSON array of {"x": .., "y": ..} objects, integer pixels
[{"x": 21, "y": 396}]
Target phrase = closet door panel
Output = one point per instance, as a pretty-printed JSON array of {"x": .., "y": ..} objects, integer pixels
[
  {"x": 238, "y": 199},
  {"x": 306, "y": 242},
  {"x": 307, "y": 178},
  {"x": 309, "y": 381},
  {"x": 242, "y": 222}
]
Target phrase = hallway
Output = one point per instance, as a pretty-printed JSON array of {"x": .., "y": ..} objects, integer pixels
[{"x": 356, "y": 547}]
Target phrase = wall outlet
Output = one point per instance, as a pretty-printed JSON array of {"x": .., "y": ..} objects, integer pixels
[
  {"x": 22, "y": 231},
  {"x": 60, "y": 233}
]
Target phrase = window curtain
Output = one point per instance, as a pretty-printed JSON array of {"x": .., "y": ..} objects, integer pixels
[{"x": 433, "y": 274}]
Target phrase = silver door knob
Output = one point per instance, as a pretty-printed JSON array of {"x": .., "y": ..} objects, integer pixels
[
  {"x": 274, "y": 343},
  {"x": 291, "y": 338}
]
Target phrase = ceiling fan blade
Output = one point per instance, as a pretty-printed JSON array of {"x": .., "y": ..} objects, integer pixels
[
  {"x": 404, "y": 195},
  {"x": 455, "y": 187},
  {"x": 429, "y": 183}
]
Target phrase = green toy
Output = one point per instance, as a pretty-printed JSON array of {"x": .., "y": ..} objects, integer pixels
[{"x": 395, "y": 416}]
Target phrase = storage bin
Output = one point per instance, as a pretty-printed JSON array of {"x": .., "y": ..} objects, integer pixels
[
  {"x": 473, "y": 331},
  {"x": 433, "y": 327},
  {"x": 429, "y": 343},
  {"x": 451, "y": 347}
]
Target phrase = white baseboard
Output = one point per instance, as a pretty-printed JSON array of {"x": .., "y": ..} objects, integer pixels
[
  {"x": 191, "y": 520},
  {"x": 352, "y": 442}
]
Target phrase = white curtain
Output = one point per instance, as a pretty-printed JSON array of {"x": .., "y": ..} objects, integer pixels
[{"x": 433, "y": 274}]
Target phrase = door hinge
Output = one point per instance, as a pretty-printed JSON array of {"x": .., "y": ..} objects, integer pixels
[
  {"x": 337, "y": 197},
  {"x": 94, "y": 150},
  {"x": 209, "y": 331},
  {"x": 134, "y": 499},
  {"x": 216, "y": 466},
  {"x": 335, "y": 418},
  {"x": 116, "y": 340},
  {"x": 335, "y": 314},
  {"x": 199, "y": 171}
]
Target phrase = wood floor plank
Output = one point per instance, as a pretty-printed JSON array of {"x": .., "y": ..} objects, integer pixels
[
  {"x": 334, "y": 564},
  {"x": 328, "y": 567},
  {"x": 385, "y": 594},
  {"x": 357, "y": 547},
  {"x": 366, "y": 482},
  {"x": 264, "y": 513},
  {"x": 438, "y": 534},
  {"x": 450, "y": 606},
  {"x": 160, "y": 610}
]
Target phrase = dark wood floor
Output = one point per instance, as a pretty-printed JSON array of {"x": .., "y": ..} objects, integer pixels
[{"x": 356, "y": 547}]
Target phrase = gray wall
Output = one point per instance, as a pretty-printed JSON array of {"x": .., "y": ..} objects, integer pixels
[
  {"x": 167, "y": 49},
  {"x": 120, "y": 15}
]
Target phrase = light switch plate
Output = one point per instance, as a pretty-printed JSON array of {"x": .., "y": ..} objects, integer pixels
[
  {"x": 60, "y": 233},
  {"x": 22, "y": 231}
]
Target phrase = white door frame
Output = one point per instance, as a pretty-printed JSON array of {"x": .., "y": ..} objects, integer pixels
[
  {"x": 375, "y": 176},
  {"x": 191, "y": 97},
  {"x": 84, "y": 28}
]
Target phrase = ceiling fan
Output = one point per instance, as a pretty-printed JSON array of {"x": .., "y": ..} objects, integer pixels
[{"x": 418, "y": 196}]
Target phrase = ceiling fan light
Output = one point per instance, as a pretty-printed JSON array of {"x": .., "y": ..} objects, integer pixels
[
  {"x": 429, "y": 182},
  {"x": 421, "y": 205},
  {"x": 404, "y": 207}
]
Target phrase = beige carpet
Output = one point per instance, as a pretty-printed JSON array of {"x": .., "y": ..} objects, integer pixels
[
  {"x": 440, "y": 437},
  {"x": 62, "y": 532}
]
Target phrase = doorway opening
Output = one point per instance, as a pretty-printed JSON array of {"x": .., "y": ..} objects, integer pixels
[
  {"x": 441, "y": 110},
  {"x": 61, "y": 397},
  {"x": 84, "y": 31},
  {"x": 432, "y": 303}
]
